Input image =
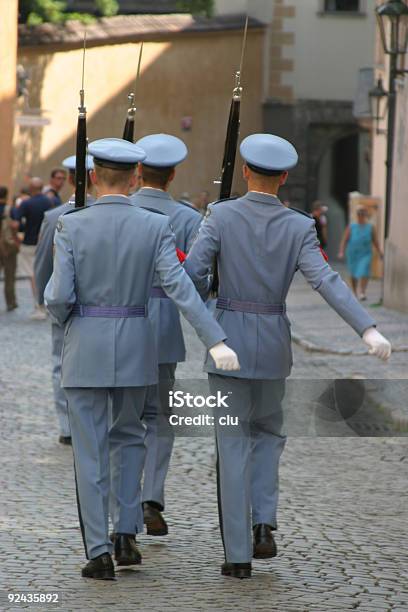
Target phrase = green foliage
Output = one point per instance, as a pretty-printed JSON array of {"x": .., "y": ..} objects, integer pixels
[
  {"x": 85, "y": 18},
  {"x": 34, "y": 12},
  {"x": 197, "y": 7},
  {"x": 38, "y": 11},
  {"x": 107, "y": 8}
]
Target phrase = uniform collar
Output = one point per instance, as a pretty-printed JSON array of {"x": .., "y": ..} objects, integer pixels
[
  {"x": 264, "y": 198},
  {"x": 114, "y": 198},
  {"x": 152, "y": 192}
]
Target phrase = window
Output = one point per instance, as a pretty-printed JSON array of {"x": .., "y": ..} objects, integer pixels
[{"x": 342, "y": 6}]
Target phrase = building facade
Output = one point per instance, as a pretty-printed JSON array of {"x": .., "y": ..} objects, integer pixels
[
  {"x": 396, "y": 247},
  {"x": 313, "y": 52},
  {"x": 184, "y": 88},
  {"x": 8, "y": 71}
]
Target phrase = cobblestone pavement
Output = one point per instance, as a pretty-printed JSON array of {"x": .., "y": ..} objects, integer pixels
[{"x": 343, "y": 516}]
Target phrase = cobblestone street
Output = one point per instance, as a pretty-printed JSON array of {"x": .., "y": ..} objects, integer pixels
[{"x": 343, "y": 537}]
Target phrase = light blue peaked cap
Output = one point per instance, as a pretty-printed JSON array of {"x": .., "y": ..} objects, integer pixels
[
  {"x": 268, "y": 152},
  {"x": 163, "y": 150},
  {"x": 70, "y": 162},
  {"x": 116, "y": 153}
]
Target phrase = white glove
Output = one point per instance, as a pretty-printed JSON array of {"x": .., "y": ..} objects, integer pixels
[
  {"x": 378, "y": 345},
  {"x": 224, "y": 357}
]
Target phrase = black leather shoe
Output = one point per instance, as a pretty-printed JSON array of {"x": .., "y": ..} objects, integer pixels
[
  {"x": 126, "y": 551},
  {"x": 264, "y": 542},
  {"x": 65, "y": 440},
  {"x": 236, "y": 570},
  {"x": 154, "y": 521},
  {"x": 100, "y": 568}
]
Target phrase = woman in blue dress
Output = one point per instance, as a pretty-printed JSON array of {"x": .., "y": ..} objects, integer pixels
[{"x": 357, "y": 243}]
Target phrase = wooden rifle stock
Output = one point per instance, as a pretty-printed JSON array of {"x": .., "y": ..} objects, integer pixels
[
  {"x": 80, "y": 169},
  {"x": 81, "y": 145},
  {"x": 231, "y": 142},
  {"x": 230, "y": 149}
]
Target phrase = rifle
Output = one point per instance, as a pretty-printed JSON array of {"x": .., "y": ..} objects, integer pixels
[
  {"x": 231, "y": 143},
  {"x": 128, "y": 132},
  {"x": 81, "y": 144}
]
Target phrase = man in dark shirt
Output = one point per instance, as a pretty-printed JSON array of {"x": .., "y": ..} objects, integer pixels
[
  {"x": 32, "y": 211},
  {"x": 57, "y": 181}
]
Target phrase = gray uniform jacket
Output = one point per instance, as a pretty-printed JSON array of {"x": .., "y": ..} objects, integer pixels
[
  {"x": 107, "y": 255},
  {"x": 260, "y": 244},
  {"x": 163, "y": 313},
  {"x": 43, "y": 262}
]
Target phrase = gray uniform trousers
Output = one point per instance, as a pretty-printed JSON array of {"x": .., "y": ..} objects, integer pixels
[
  {"x": 159, "y": 438},
  {"x": 90, "y": 426},
  {"x": 60, "y": 398},
  {"x": 247, "y": 459}
]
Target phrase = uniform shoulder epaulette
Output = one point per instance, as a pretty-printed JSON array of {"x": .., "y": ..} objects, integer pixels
[
  {"x": 225, "y": 200},
  {"x": 74, "y": 210},
  {"x": 153, "y": 210},
  {"x": 68, "y": 212},
  {"x": 158, "y": 212},
  {"x": 188, "y": 205},
  {"x": 301, "y": 212}
]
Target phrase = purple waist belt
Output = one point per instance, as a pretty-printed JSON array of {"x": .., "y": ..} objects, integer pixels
[
  {"x": 157, "y": 292},
  {"x": 113, "y": 312},
  {"x": 251, "y": 307}
]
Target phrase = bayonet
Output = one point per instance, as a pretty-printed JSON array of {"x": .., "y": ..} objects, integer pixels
[{"x": 128, "y": 132}]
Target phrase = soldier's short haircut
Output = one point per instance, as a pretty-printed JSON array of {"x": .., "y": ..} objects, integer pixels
[
  {"x": 3, "y": 192},
  {"x": 159, "y": 177},
  {"x": 113, "y": 178}
]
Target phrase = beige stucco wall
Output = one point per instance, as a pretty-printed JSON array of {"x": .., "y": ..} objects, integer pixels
[
  {"x": 8, "y": 55},
  {"x": 329, "y": 50},
  {"x": 313, "y": 46},
  {"x": 182, "y": 76}
]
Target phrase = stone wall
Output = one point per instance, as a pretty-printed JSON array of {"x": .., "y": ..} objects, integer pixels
[{"x": 8, "y": 55}]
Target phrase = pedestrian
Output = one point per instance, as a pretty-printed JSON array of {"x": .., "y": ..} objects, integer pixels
[
  {"x": 43, "y": 266},
  {"x": 58, "y": 177},
  {"x": 202, "y": 200},
  {"x": 259, "y": 244},
  {"x": 319, "y": 215},
  {"x": 156, "y": 172},
  {"x": 106, "y": 259},
  {"x": 357, "y": 242},
  {"x": 32, "y": 211},
  {"x": 9, "y": 247}
]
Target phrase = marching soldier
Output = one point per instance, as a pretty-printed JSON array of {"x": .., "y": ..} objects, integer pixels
[
  {"x": 43, "y": 264},
  {"x": 106, "y": 258},
  {"x": 259, "y": 244},
  {"x": 156, "y": 172}
]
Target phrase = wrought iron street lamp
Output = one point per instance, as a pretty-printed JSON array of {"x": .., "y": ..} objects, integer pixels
[
  {"x": 379, "y": 102},
  {"x": 392, "y": 18}
]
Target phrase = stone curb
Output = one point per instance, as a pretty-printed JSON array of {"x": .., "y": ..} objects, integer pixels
[{"x": 317, "y": 348}]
